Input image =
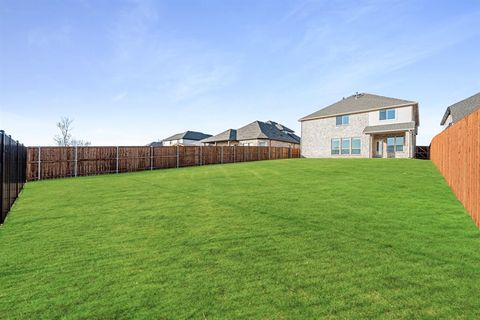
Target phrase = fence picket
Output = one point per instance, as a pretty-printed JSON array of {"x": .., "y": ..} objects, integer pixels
[
  {"x": 57, "y": 162},
  {"x": 455, "y": 152}
]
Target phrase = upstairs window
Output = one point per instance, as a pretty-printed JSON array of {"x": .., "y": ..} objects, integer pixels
[
  {"x": 388, "y": 114},
  {"x": 341, "y": 120}
]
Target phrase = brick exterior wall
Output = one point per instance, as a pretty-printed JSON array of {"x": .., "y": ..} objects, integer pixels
[{"x": 317, "y": 136}]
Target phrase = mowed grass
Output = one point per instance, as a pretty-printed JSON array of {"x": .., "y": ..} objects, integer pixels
[{"x": 286, "y": 239}]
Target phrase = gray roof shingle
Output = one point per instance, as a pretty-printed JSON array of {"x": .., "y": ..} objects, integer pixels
[
  {"x": 462, "y": 108},
  {"x": 189, "y": 135},
  {"x": 390, "y": 127},
  {"x": 228, "y": 135},
  {"x": 263, "y": 130},
  {"x": 155, "y": 144},
  {"x": 257, "y": 130},
  {"x": 356, "y": 103},
  {"x": 279, "y": 126}
]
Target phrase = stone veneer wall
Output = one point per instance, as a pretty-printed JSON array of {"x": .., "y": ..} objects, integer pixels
[{"x": 317, "y": 135}]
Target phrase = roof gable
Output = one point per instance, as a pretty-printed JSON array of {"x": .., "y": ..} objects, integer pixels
[
  {"x": 357, "y": 103},
  {"x": 462, "y": 108},
  {"x": 227, "y": 135}
]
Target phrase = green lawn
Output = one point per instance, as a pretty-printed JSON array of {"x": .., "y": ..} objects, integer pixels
[{"x": 285, "y": 239}]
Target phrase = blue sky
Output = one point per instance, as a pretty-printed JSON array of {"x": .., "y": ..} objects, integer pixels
[{"x": 131, "y": 72}]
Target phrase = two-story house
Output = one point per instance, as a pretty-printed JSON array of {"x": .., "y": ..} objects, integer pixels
[{"x": 362, "y": 125}]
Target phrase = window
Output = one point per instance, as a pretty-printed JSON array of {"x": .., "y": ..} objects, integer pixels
[
  {"x": 388, "y": 114},
  {"x": 356, "y": 145},
  {"x": 335, "y": 146},
  {"x": 345, "y": 145},
  {"x": 262, "y": 143},
  {"x": 399, "y": 143},
  {"x": 395, "y": 144},
  {"x": 391, "y": 144},
  {"x": 343, "y": 120}
]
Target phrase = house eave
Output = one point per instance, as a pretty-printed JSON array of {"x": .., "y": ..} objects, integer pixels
[
  {"x": 445, "y": 116},
  {"x": 307, "y": 118}
]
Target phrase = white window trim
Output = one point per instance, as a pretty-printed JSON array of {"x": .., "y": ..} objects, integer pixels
[
  {"x": 339, "y": 146},
  {"x": 395, "y": 143},
  {"x": 386, "y": 113},
  {"x": 350, "y": 148},
  {"x": 342, "y": 124}
]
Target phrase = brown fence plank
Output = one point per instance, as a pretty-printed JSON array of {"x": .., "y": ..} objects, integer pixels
[
  {"x": 456, "y": 153},
  {"x": 59, "y": 162}
]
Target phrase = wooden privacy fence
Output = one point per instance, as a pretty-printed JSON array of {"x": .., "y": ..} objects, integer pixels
[
  {"x": 57, "y": 162},
  {"x": 456, "y": 153},
  {"x": 13, "y": 157}
]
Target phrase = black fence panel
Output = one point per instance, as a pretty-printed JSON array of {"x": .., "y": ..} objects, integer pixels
[
  {"x": 422, "y": 152},
  {"x": 13, "y": 168}
]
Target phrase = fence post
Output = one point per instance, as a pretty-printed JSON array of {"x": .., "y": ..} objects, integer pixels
[
  {"x": 151, "y": 157},
  {"x": 201, "y": 155},
  {"x": 221, "y": 158},
  {"x": 178, "y": 158},
  {"x": 269, "y": 152},
  {"x": 2, "y": 172},
  {"x": 39, "y": 163},
  {"x": 116, "y": 166},
  {"x": 290, "y": 152},
  {"x": 17, "y": 169},
  {"x": 234, "y": 154},
  {"x": 76, "y": 160}
]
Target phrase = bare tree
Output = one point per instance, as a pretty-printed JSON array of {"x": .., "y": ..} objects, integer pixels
[
  {"x": 65, "y": 138},
  {"x": 81, "y": 143}
]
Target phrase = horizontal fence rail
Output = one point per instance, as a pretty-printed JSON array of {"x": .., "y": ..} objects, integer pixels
[
  {"x": 13, "y": 159},
  {"x": 59, "y": 162},
  {"x": 456, "y": 153}
]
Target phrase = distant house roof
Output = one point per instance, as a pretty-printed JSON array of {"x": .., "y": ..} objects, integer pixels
[
  {"x": 279, "y": 126},
  {"x": 189, "y": 135},
  {"x": 228, "y": 135},
  {"x": 390, "y": 127},
  {"x": 257, "y": 130},
  {"x": 360, "y": 102},
  {"x": 462, "y": 109},
  {"x": 264, "y": 130},
  {"x": 155, "y": 144}
]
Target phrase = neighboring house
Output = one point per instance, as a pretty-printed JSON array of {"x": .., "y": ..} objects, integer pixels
[
  {"x": 362, "y": 125},
  {"x": 257, "y": 133},
  {"x": 155, "y": 144},
  {"x": 460, "y": 110},
  {"x": 187, "y": 138}
]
